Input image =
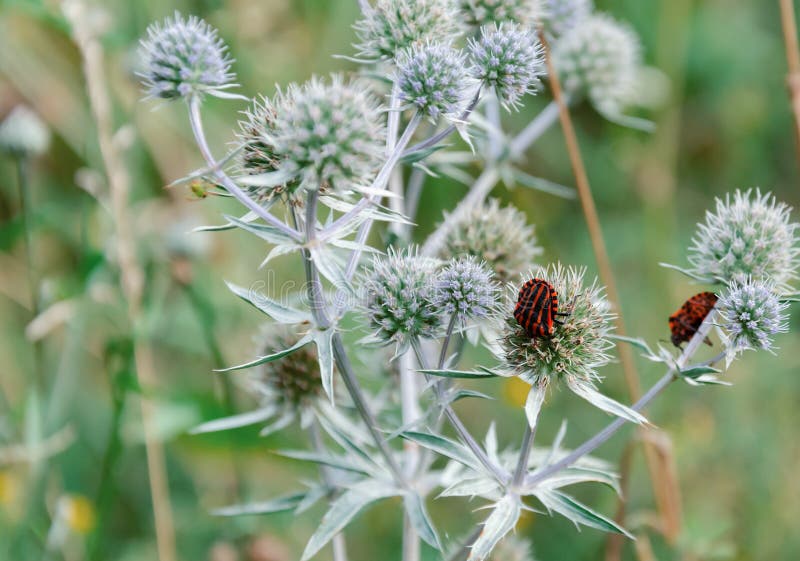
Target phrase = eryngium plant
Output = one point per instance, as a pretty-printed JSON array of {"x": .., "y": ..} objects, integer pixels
[
  {"x": 483, "y": 12},
  {"x": 561, "y": 16},
  {"x": 323, "y": 142}
]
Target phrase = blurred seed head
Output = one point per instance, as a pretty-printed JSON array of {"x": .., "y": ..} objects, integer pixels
[
  {"x": 466, "y": 288},
  {"x": 184, "y": 57},
  {"x": 495, "y": 235},
  {"x": 560, "y": 16},
  {"x": 748, "y": 236},
  {"x": 483, "y": 12},
  {"x": 23, "y": 134},
  {"x": 433, "y": 78},
  {"x": 508, "y": 59},
  {"x": 752, "y": 314},
  {"x": 400, "y": 293},
  {"x": 326, "y": 134},
  {"x": 392, "y": 26},
  {"x": 599, "y": 58},
  {"x": 294, "y": 380},
  {"x": 579, "y": 348}
]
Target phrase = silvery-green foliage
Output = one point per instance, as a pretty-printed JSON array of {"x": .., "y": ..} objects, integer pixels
[
  {"x": 433, "y": 80},
  {"x": 749, "y": 235},
  {"x": 752, "y": 314},
  {"x": 483, "y": 12},
  {"x": 466, "y": 289},
  {"x": 400, "y": 291},
  {"x": 392, "y": 26},
  {"x": 22, "y": 133},
  {"x": 561, "y": 16},
  {"x": 508, "y": 59},
  {"x": 326, "y": 134},
  {"x": 599, "y": 58},
  {"x": 498, "y": 236},
  {"x": 184, "y": 57},
  {"x": 512, "y": 548}
]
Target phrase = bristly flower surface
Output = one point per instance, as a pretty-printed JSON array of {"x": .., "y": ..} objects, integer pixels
[
  {"x": 560, "y": 16},
  {"x": 466, "y": 289},
  {"x": 184, "y": 57},
  {"x": 325, "y": 135},
  {"x": 498, "y": 236},
  {"x": 399, "y": 294},
  {"x": 23, "y": 134},
  {"x": 433, "y": 78},
  {"x": 749, "y": 235},
  {"x": 752, "y": 314},
  {"x": 483, "y": 12},
  {"x": 392, "y": 26},
  {"x": 508, "y": 59},
  {"x": 600, "y": 58}
]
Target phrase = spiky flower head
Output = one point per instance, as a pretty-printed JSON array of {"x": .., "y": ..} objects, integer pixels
[
  {"x": 466, "y": 289},
  {"x": 184, "y": 57},
  {"x": 325, "y": 134},
  {"x": 752, "y": 314},
  {"x": 498, "y": 236},
  {"x": 294, "y": 380},
  {"x": 601, "y": 59},
  {"x": 400, "y": 293},
  {"x": 258, "y": 155},
  {"x": 392, "y": 26},
  {"x": 483, "y": 12},
  {"x": 432, "y": 78},
  {"x": 22, "y": 133},
  {"x": 578, "y": 348},
  {"x": 749, "y": 235},
  {"x": 561, "y": 16},
  {"x": 508, "y": 59}
]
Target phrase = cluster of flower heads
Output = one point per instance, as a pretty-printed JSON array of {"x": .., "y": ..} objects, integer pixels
[
  {"x": 409, "y": 296},
  {"x": 599, "y": 58},
  {"x": 508, "y": 59},
  {"x": 392, "y": 26},
  {"x": 495, "y": 235},
  {"x": 484, "y": 12},
  {"x": 560, "y": 16},
  {"x": 184, "y": 57}
]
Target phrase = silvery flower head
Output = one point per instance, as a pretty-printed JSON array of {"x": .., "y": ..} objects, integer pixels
[
  {"x": 752, "y": 314},
  {"x": 498, "y": 236},
  {"x": 749, "y": 235},
  {"x": 483, "y": 12},
  {"x": 508, "y": 59},
  {"x": 327, "y": 134},
  {"x": 601, "y": 59},
  {"x": 575, "y": 350},
  {"x": 433, "y": 78},
  {"x": 392, "y": 26},
  {"x": 561, "y": 16},
  {"x": 294, "y": 380},
  {"x": 258, "y": 155},
  {"x": 184, "y": 57},
  {"x": 465, "y": 289},
  {"x": 22, "y": 133},
  {"x": 400, "y": 293}
]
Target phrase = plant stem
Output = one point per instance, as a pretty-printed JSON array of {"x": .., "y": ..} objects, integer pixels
[
  {"x": 438, "y": 137},
  {"x": 446, "y": 343},
  {"x": 524, "y": 454},
  {"x": 536, "y": 128},
  {"x": 338, "y": 542},
  {"x": 789, "y": 26},
  {"x": 196, "y": 121}
]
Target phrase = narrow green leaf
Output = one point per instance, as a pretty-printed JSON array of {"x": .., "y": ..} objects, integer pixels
[
  {"x": 278, "y": 312},
  {"x": 235, "y": 421},
  {"x": 695, "y": 372},
  {"x": 579, "y": 513},
  {"x": 418, "y": 516},
  {"x": 324, "y": 342},
  {"x": 590, "y": 394},
  {"x": 635, "y": 341},
  {"x": 269, "y": 358},
  {"x": 264, "y": 231},
  {"x": 687, "y": 273},
  {"x": 325, "y": 459},
  {"x": 280, "y": 504},
  {"x": 501, "y": 521},
  {"x": 458, "y": 374},
  {"x": 443, "y": 446}
]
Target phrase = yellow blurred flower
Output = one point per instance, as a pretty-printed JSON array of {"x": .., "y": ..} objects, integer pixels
[
  {"x": 516, "y": 391},
  {"x": 78, "y": 513},
  {"x": 9, "y": 487}
]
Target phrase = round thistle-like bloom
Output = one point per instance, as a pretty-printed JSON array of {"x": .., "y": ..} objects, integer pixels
[
  {"x": 483, "y": 12},
  {"x": 400, "y": 293},
  {"x": 22, "y": 133},
  {"x": 465, "y": 289},
  {"x": 497, "y": 236},
  {"x": 433, "y": 79},
  {"x": 392, "y": 26},
  {"x": 752, "y": 313},
  {"x": 258, "y": 155},
  {"x": 749, "y": 235},
  {"x": 184, "y": 58},
  {"x": 508, "y": 59},
  {"x": 293, "y": 381},
  {"x": 325, "y": 134},
  {"x": 576, "y": 349},
  {"x": 599, "y": 58},
  {"x": 562, "y": 15}
]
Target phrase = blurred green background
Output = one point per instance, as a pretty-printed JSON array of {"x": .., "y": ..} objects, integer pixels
[{"x": 725, "y": 124}]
